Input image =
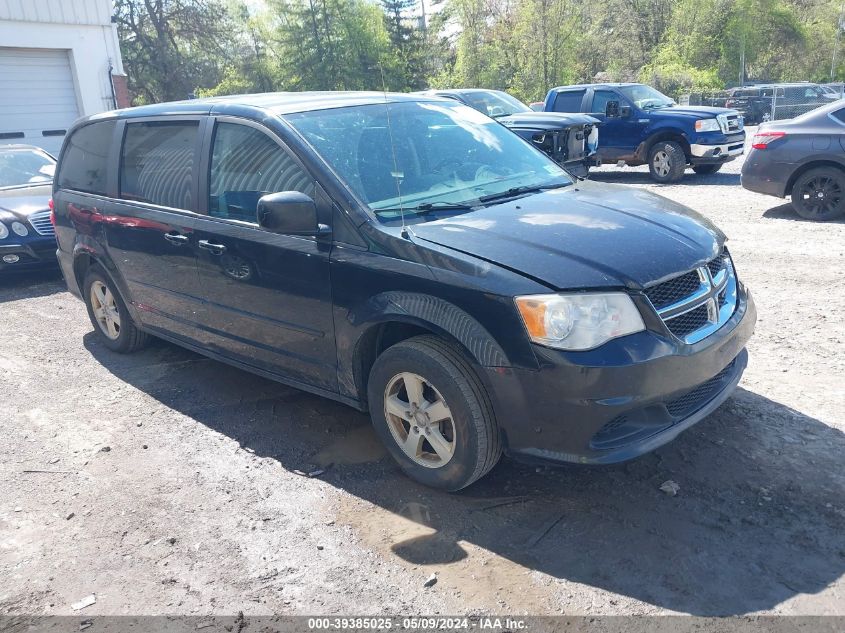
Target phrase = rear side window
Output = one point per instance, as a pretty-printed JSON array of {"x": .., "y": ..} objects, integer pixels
[
  {"x": 85, "y": 160},
  {"x": 247, "y": 164},
  {"x": 158, "y": 163},
  {"x": 839, "y": 115},
  {"x": 569, "y": 101}
]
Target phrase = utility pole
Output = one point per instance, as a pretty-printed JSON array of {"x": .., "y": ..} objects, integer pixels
[{"x": 839, "y": 24}]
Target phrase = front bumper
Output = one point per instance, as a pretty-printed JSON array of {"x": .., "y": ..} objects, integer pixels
[
  {"x": 33, "y": 253},
  {"x": 705, "y": 153},
  {"x": 622, "y": 400}
]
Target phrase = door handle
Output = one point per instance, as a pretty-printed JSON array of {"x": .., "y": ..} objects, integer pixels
[
  {"x": 216, "y": 249},
  {"x": 176, "y": 238}
]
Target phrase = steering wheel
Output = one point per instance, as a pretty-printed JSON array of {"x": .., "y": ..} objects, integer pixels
[
  {"x": 486, "y": 173},
  {"x": 446, "y": 162}
]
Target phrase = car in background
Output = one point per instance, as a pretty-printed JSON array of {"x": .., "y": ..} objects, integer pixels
[
  {"x": 769, "y": 102},
  {"x": 27, "y": 239},
  {"x": 753, "y": 102},
  {"x": 642, "y": 126},
  {"x": 803, "y": 158},
  {"x": 571, "y": 140}
]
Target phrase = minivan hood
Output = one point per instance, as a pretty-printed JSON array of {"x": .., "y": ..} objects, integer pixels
[
  {"x": 22, "y": 202},
  {"x": 583, "y": 236}
]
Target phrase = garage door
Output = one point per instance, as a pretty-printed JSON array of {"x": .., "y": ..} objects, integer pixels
[{"x": 37, "y": 97}]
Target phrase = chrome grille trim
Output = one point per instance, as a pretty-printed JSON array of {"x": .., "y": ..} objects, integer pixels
[
  {"x": 41, "y": 223},
  {"x": 730, "y": 122},
  {"x": 717, "y": 292}
]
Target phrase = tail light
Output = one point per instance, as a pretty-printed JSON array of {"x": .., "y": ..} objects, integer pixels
[
  {"x": 52, "y": 212},
  {"x": 761, "y": 140}
]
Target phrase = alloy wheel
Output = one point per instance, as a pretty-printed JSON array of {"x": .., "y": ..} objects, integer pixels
[
  {"x": 662, "y": 163},
  {"x": 105, "y": 310},
  {"x": 419, "y": 420},
  {"x": 822, "y": 195}
]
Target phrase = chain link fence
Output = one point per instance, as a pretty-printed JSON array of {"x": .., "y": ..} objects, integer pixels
[{"x": 769, "y": 102}]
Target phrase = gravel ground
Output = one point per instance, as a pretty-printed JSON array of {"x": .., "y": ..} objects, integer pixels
[{"x": 165, "y": 483}]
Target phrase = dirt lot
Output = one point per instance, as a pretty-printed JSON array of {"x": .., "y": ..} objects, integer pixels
[{"x": 166, "y": 483}]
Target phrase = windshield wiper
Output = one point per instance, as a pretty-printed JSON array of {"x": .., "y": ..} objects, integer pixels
[
  {"x": 518, "y": 191},
  {"x": 428, "y": 207}
]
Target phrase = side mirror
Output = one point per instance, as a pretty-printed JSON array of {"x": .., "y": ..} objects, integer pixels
[
  {"x": 289, "y": 213},
  {"x": 611, "y": 110}
]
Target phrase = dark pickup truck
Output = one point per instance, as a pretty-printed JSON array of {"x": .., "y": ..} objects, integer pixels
[
  {"x": 640, "y": 125},
  {"x": 570, "y": 139}
]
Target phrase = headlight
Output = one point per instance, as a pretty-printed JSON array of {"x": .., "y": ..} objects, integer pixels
[
  {"x": 20, "y": 229},
  {"x": 578, "y": 321},
  {"x": 707, "y": 125},
  {"x": 4, "y": 231}
]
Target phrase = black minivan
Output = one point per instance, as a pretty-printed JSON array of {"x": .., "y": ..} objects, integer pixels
[{"x": 408, "y": 256}]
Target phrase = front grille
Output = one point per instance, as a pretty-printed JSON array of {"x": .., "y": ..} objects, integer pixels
[
  {"x": 695, "y": 304},
  {"x": 716, "y": 265},
  {"x": 41, "y": 223},
  {"x": 674, "y": 290},
  {"x": 730, "y": 123},
  {"x": 684, "y": 325},
  {"x": 693, "y": 400}
]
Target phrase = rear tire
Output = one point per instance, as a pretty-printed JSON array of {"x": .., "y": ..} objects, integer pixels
[
  {"x": 819, "y": 194},
  {"x": 432, "y": 412},
  {"x": 666, "y": 161},
  {"x": 112, "y": 322},
  {"x": 704, "y": 170}
]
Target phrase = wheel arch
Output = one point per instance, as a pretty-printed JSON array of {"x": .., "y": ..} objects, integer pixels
[
  {"x": 665, "y": 134},
  {"x": 84, "y": 257},
  {"x": 398, "y": 316},
  {"x": 803, "y": 169}
]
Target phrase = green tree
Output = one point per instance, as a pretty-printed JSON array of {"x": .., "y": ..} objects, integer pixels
[{"x": 172, "y": 47}]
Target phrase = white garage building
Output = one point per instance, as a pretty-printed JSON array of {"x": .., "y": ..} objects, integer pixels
[{"x": 59, "y": 60}]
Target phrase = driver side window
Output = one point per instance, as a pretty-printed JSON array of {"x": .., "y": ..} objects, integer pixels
[
  {"x": 247, "y": 164},
  {"x": 601, "y": 98}
]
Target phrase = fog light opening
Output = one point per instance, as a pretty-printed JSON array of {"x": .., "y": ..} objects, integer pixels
[{"x": 11, "y": 259}]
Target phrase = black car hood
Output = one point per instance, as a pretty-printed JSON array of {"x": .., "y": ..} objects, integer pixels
[
  {"x": 22, "y": 202},
  {"x": 584, "y": 236},
  {"x": 546, "y": 120}
]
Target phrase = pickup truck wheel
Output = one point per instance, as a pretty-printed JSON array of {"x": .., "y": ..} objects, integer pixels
[
  {"x": 433, "y": 414},
  {"x": 109, "y": 315},
  {"x": 666, "y": 161},
  {"x": 819, "y": 194},
  {"x": 707, "y": 169}
]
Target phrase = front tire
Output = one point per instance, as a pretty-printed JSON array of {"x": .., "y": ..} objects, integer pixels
[
  {"x": 704, "y": 170},
  {"x": 109, "y": 316},
  {"x": 432, "y": 412},
  {"x": 666, "y": 162},
  {"x": 819, "y": 194}
]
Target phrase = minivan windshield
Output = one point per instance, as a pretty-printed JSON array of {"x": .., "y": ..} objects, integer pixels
[
  {"x": 646, "y": 97},
  {"x": 426, "y": 159},
  {"x": 23, "y": 167}
]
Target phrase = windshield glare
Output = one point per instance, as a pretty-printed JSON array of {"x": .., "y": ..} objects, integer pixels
[
  {"x": 415, "y": 153},
  {"x": 646, "y": 97},
  {"x": 22, "y": 167},
  {"x": 494, "y": 103}
]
